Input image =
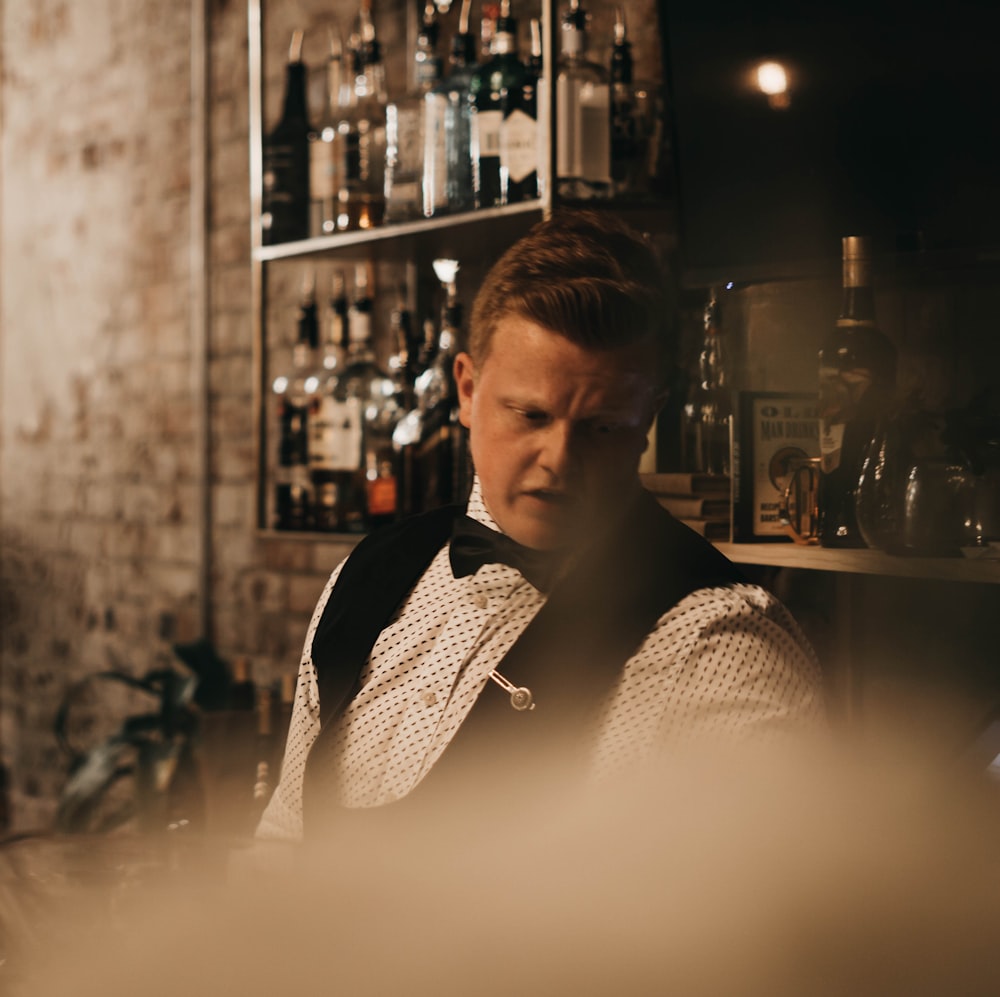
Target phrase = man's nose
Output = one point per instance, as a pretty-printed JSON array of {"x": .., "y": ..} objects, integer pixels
[{"x": 557, "y": 449}]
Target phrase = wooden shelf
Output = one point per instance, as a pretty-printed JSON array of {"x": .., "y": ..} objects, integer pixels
[{"x": 864, "y": 562}]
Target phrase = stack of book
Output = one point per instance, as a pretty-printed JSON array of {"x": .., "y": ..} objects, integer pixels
[{"x": 704, "y": 502}]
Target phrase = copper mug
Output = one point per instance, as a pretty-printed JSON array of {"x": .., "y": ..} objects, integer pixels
[{"x": 799, "y": 508}]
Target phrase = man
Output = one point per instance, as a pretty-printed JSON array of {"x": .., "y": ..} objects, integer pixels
[{"x": 617, "y": 630}]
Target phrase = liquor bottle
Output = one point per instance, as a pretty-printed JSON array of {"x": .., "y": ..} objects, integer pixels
[
  {"x": 293, "y": 392},
  {"x": 362, "y": 193},
  {"x": 326, "y": 150},
  {"x": 334, "y": 422},
  {"x": 447, "y": 181},
  {"x": 707, "y": 412},
  {"x": 367, "y": 387},
  {"x": 857, "y": 379},
  {"x": 406, "y": 128},
  {"x": 285, "y": 177},
  {"x": 625, "y": 157},
  {"x": 442, "y": 452},
  {"x": 519, "y": 138},
  {"x": 502, "y": 71},
  {"x": 583, "y": 114}
]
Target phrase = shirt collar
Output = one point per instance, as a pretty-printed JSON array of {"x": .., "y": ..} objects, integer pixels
[{"x": 476, "y": 508}]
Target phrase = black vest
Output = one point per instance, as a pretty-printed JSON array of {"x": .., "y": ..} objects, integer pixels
[{"x": 570, "y": 655}]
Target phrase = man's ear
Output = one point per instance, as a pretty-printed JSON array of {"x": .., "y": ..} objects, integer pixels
[{"x": 465, "y": 380}]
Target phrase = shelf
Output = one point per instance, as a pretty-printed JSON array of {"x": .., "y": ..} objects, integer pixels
[
  {"x": 864, "y": 562},
  {"x": 401, "y": 236}
]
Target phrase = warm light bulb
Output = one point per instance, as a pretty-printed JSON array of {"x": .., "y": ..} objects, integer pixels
[{"x": 772, "y": 78}]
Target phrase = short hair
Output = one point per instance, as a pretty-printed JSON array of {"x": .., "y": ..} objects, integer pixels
[{"x": 585, "y": 275}]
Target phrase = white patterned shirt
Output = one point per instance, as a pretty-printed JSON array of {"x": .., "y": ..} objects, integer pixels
[{"x": 723, "y": 661}]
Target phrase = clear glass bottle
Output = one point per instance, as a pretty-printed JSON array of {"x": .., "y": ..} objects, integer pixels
[
  {"x": 583, "y": 114},
  {"x": 519, "y": 137},
  {"x": 361, "y": 199},
  {"x": 407, "y": 125},
  {"x": 326, "y": 148},
  {"x": 447, "y": 180},
  {"x": 335, "y": 422},
  {"x": 708, "y": 410},
  {"x": 503, "y": 71},
  {"x": 285, "y": 175},
  {"x": 857, "y": 380},
  {"x": 293, "y": 392},
  {"x": 626, "y": 163}
]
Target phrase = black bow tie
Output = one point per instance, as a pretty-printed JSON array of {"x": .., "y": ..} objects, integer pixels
[{"x": 473, "y": 545}]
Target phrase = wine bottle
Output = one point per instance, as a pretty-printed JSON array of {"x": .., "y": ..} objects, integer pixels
[
  {"x": 583, "y": 114},
  {"x": 857, "y": 379},
  {"x": 503, "y": 71},
  {"x": 285, "y": 179},
  {"x": 326, "y": 149},
  {"x": 293, "y": 392},
  {"x": 519, "y": 138}
]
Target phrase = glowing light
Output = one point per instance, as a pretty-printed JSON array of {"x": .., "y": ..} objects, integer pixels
[{"x": 772, "y": 78}]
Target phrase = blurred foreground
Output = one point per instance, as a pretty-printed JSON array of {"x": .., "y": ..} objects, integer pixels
[{"x": 863, "y": 870}]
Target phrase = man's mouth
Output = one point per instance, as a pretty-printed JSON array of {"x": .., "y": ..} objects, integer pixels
[{"x": 550, "y": 496}]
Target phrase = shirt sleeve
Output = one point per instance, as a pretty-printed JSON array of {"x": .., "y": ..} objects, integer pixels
[
  {"x": 723, "y": 664},
  {"x": 282, "y": 817}
]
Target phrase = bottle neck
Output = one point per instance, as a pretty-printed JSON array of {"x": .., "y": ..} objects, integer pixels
[
  {"x": 621, "y": 63},
  {"x": 295, "y": 91},
  {"x": 857, "y": 306}
]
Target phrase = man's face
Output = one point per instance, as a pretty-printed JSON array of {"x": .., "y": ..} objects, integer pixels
[{"x": 556, "y": 430}]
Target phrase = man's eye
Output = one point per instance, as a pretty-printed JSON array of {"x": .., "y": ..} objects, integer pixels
[{"x": 533, "y": 416}]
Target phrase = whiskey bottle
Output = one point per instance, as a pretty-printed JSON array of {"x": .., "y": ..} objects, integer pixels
[
  {"x": 447, "y": 181},
  {"x": 708, "y": 411},
  {"x": 362, "y": 193},
  {"x": 857, "y": 380},
  {"x": 326, "y": 149},
  {"x": 503, "y": 71},
  {"x": 334, "y": 423},
  {"x": 293, "y": 392},
  {"x": 285, "y": 177},
  {"x": 407, "y": 126},
  {"x": 519, "y": 138},
  {"x": 583, "y": 113},
  {"x": 626, "y": 161}
]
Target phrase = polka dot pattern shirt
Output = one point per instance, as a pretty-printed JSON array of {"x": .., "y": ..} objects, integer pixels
[{"x": 722, "y": 662}]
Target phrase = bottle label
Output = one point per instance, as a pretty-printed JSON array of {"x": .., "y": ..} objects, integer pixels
[
  {"x": 840, "y": 394},
  {"x": 486, "y": 133},
  {"x": 322, "y": 171},
  {"x": 595, "y": 132},
  {"x": 381, "y": 495},
  {"x": 518, "y": 149},
  {"x": 335, "y": 434}
]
